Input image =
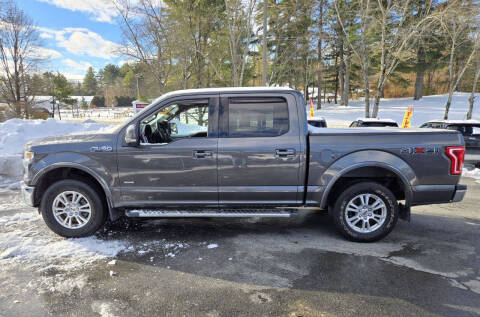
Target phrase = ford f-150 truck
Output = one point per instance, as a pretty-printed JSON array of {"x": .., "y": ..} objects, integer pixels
[{"x": 240, "y": 152}]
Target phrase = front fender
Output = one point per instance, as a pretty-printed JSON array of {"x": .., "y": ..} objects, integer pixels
[
  {"x": 381, "y": 159},
  {"x": 78, "y": 161}
]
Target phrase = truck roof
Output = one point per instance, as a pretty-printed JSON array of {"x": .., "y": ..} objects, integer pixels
[
  {"x": 224, "y": 90},
  {"x": 375, "y": 120},
  {"x": 455, "y": 121}
]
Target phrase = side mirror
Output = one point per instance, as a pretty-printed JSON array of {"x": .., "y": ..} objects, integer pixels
[
  {"x": 131, "y": 135},
  {"x": 173, "y": 127}
]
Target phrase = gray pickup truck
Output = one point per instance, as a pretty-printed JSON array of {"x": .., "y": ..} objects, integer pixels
[{"x": 240, "y": 152}]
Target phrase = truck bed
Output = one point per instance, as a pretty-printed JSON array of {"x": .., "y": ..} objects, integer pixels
[{"x": 417, "y": 156}]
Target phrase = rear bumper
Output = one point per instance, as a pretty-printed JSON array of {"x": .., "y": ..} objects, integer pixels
[
  {"x": 460, "y": 192},
  {"x": 437, "y": 194},
  {"x": 27, "y": 194}
]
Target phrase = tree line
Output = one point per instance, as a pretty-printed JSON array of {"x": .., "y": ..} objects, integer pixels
[{"x": 343, "y": 49}]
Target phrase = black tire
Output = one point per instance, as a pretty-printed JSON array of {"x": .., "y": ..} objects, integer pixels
[
  {"x": 340, "y": 205},
  {"x": 98, "y": 214}
]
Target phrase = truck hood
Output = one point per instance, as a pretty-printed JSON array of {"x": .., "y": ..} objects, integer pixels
[{"x": 86, "y": 142}]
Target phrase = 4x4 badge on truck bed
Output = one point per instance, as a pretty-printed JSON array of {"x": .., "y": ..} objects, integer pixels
[{"x": 420, "y": 150}]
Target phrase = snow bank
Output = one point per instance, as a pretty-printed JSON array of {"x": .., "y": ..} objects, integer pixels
[
  {"x": 426, "y": 109},
  {"x": 15, "y": 133}
]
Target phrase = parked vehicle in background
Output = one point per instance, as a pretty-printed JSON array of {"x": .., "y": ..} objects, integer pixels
[
  {"x": 317, "y": 122},
  {"x": 470, "y": 129},
  {"x": 239, "y": 152},
  {"x": 373, "y": 123}
]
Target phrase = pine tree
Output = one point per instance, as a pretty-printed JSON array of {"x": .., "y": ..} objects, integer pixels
[{"x": 90, "y": 83}]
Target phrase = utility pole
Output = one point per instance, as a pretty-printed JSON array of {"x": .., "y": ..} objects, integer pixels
[{"x": 265, "y": 22}]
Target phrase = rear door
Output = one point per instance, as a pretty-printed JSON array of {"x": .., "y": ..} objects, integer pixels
[{"x": 259, "y": 150}]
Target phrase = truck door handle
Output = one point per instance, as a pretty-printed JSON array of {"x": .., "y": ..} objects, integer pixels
[
  {"x": 284, "y": 153},
  {"x": 201, "y": 154}
]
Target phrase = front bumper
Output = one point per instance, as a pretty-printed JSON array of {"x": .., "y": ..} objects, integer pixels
[
  {"x": 27, "y": 194},
  {"x": 460, "y": 192}
]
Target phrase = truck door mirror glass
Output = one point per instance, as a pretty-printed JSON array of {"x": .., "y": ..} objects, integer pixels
[{"x": 131, "y": 135}]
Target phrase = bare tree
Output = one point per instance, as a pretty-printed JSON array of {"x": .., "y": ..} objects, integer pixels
[
  {"x": 397, "y": 29},
  {"x": 18, "y": 58},
  {"x": 239, "y": 18},
  {"x": 474, "y": 86},
  {"x": 146, "y": 35},
  {"x": 456, "y": 21},
  {"x": 476, "y": 76},
  {"x": 319, "y": 50},
  {"x": 359, "y": 43}
]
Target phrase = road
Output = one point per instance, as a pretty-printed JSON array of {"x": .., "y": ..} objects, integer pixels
[{"x": 249, "y": 267}]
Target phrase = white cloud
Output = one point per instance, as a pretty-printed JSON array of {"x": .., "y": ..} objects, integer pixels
[
  {"x": 77, "y": 66},
  {"x": 44, "y": 53},
  {"x": 99, "y": 10},
  {"x": 46, "y": 36},
  {"x": 81, "y": 41}
]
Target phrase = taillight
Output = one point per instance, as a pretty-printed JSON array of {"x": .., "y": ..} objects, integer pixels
[{"x": 457, "y": 156}]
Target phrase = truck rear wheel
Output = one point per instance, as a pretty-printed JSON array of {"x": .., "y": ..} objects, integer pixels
[
  {"x": 365, "y": 212},
  {"x": 72, "y": 209}
]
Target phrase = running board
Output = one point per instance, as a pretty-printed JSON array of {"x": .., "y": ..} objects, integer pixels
[{"x": 221, "y": 213}]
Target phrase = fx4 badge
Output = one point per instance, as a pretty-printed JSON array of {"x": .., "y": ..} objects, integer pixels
[
  {"x": 419, "y": 150},
  {"x": 103, "y": 148}
]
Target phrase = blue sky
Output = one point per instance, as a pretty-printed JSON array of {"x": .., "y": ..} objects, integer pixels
[{"x": 75, "y": 34}]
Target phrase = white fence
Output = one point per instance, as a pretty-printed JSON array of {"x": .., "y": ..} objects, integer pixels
[{"x": 99, "y": 113}]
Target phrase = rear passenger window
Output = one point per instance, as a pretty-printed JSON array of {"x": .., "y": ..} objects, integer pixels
[{"x": 257, "y": 117}]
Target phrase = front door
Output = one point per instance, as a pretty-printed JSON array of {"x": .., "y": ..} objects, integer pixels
[
  {"x": 259, "y": 150},
  {"x": 176, "y": 162}
]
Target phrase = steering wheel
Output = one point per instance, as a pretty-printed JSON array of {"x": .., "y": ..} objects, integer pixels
[{"x": 164, "y": 132}]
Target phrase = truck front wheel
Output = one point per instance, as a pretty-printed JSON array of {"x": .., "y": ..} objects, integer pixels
[
  {"x": 365, "y": 212},
  {"x": 72, "y": 209}
]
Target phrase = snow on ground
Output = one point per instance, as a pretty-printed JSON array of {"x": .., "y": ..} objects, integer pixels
[
  {"x": 472, "y": 173},
  {"x": 15, "y": 133},
  {"x": 25, "y": 239},
  {"x": 426, "y": 109},
  {"x": 22, "y": 242}
]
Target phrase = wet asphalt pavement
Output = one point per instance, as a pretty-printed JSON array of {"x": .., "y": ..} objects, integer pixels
[{"x": 248, "y": 267}]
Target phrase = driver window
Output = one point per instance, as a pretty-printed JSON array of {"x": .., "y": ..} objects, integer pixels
[{"x": 176, "y": 121}]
